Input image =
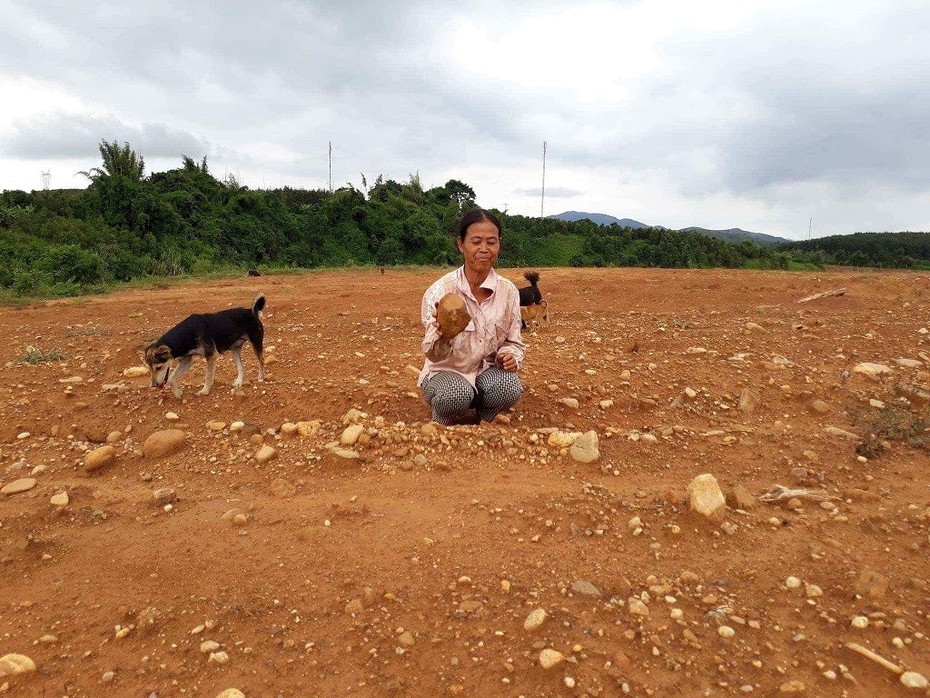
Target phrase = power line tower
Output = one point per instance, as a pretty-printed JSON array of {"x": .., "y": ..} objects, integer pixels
[
  {"x": 46, "y": 179},
  {"x": 542, "y": 198},
  {"x": 330, "y": 167}
]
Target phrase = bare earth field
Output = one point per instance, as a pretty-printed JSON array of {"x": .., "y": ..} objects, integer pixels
[{"x": 411, "y": 569}]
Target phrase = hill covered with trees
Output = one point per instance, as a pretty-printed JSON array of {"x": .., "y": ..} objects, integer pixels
[{"x": 127, "y": 225}]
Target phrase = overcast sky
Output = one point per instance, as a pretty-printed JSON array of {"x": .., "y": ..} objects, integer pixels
[{"x": 757, "y": 115}]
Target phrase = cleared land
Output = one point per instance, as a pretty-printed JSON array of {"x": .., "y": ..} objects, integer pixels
[{"x": 411, "y": 569}]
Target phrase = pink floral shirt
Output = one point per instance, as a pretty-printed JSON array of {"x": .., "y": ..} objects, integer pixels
[{"x": 494, "y": 326}]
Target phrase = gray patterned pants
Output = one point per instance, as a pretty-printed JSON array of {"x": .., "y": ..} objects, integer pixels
[{"x": 450, "y": 395}]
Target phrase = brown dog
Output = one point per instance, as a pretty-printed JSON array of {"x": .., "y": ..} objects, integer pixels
[{"x": 533, "y": 315}]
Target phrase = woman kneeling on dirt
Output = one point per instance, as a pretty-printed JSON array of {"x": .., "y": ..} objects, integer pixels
[{"x": 477, "y": 367}]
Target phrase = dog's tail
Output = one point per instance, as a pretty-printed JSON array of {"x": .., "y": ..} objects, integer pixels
[
  {"x": 532, "y": 277},
  {"x": 258, "y": 305}
]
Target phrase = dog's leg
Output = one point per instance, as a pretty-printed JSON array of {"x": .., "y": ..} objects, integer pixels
[
  {"x": 261, "y": 365},
  {"x": 176, "y": 375},
  {"x": 211, "y": 370},
  {"x": 237, "y": 357}
]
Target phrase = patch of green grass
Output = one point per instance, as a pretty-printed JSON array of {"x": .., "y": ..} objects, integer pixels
[{"x": 37, "y": 355}]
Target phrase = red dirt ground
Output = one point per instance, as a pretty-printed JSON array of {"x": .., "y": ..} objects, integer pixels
[{"x": 410, "y": 571}]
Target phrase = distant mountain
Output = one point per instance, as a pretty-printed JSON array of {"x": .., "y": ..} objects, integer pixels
[
  {"x": 599, "y": 218},
  {"x": 737, "y": 235},
  {"x": 730, "y": 234}
]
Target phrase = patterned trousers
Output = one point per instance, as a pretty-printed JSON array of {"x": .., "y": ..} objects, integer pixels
[{"x": 450, "y": 395}]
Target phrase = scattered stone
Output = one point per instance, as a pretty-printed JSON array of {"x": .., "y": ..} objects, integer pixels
[
  {"x": 550, "y": 658},
  {"x": 230, "y": 693},
  {"x": 288, "y": 429},
  {"x": 172, "y": 416},
  {"x": 911, "y": 679},
  {"x": 406, "y": 639},
  {"x": 99, "y": 458},
  {"x": 136, "y": 371},
  {"x": 636, "y": 607},
  {"x": 164, "y": 443},
  {"x": 209, "y": 646},
  {"x": 60, "y": 499},
  {"x": 820, "y": 407},
  {"x": 585, "y": 449},
  {"x": 793, "y": 583},
  {"x": 871, "y": 584},
  {"x": 725, "y": 631},
  {"x": 859, "y": 622},
  {"x": 14, "y": 664},
  {"x": 218, "y": 658},
  {"x": 705, "y": 497},
  {"x": 836, "y": 431},
  {"x": 872, "y": 370},
  {"x": 793, "y": 686},
  {"x": 563, "y": 439},
  {"x": 909, "y": 363},
  {"x": 347, "y": 453},
  {"x": 114, "y": 436},
  {"x": 308, "y": 428},
  {"x": 535, "y": 619},
  {"x": 748, "y": 401},
  {"x": 570, "y": 402},
  {"x": 164, "y": 495},
  {"x": 216, "y": 426},
  {"x": 350, "y": 434},
  {"x": 265, "y": 454},
  {"x": 740, "y": 498},
  {"x": 585, "y": 588},
  {"x": 22, "y": 485}
]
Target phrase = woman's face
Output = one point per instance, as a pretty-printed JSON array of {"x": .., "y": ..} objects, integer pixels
[{"x": 481, "y": 246}]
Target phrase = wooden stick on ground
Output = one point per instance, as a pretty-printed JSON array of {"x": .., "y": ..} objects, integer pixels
[
  {"x": 869, "y": 654},
  {"x": 837, "y": 292}
]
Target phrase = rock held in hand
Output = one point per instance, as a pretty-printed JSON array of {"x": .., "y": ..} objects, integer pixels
[{"x": 452, "y": 315}]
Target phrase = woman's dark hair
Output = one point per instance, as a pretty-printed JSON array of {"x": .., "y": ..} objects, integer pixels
[{"x": 475, "y": 215}]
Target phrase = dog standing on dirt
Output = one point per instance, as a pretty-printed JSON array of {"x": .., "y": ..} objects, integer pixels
[
  {"x": 207, "y": 335},
  {"x": 531, "y": 297},
  {"x": 533, "y": 315}
]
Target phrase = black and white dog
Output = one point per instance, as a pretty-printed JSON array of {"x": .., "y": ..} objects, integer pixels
[{"x": 207, "y": 335}]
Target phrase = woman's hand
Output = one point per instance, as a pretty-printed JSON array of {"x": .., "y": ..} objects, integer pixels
[{"x": 507, "y": 361}]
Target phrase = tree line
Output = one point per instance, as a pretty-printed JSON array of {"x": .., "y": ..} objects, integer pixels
[{"x": 127, "y": 225}]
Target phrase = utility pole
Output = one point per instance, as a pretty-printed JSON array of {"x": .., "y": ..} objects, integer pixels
[
  {"x": 330, "y": 167},
  {"x": 46, "y": 179},
  {"x": 542, "y": 201},
  {"x": 810, "y": 227}
]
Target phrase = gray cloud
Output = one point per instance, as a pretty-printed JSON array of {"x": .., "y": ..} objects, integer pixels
[
  {"x": 765, "y": 111},
  {"x": 59, "y": 135}
]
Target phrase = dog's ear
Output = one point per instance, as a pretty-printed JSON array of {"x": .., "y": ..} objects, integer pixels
[{"x": 157, "y": 354}]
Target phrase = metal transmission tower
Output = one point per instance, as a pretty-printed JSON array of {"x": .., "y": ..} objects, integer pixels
[
  {"x": 330, "y": 167},
  {"x": 46, "y": 179},
  {"x": 542, "y": 198}
]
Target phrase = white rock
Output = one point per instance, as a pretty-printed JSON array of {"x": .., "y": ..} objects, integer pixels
[
  {"x": 909, "y": 363},
  {"x": 860, "y": 622},
  {"x": 60, "y": 499},
  {"x": 706, "y": 498},
  {"x": 570, "y": 402},
  {"x": 350, "y": 434},
  {"x": 912, "y": 679},
  {"x": 230, "y": 693},
  {"x": 872, "y": 370},
  {"x": 549, "y": 658},
  {"x": 636, "y": 607},
  {"x": 725, "y": 631},
  {"x": 535, "y": 619},
  {"x": 793, "y": 583},
  {"x": 209, "y": 646},
  {"x": 136, "y": 371},
  {"x": 265, "y": 454},
  {"x": 563, "y": 439},
  {"x": 585, "y": 449},
  {"x": 13, "y": 664}
]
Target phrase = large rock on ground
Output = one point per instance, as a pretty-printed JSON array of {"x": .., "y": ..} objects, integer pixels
[
  {"x": 13, "y": 664},
  {"x": 99, "y": 458},
  {"x": 705, "y": 497},
  {"x": 585, "y": 450},
  {"x": 163, "y": 443}
]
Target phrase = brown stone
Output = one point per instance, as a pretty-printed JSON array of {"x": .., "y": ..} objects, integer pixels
[
  {"x": 871, "y": 584},
  {"x": 740, "y": 498},
  {"x": 164, "y": 443},
  {"x": 99, "y": 458}
]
